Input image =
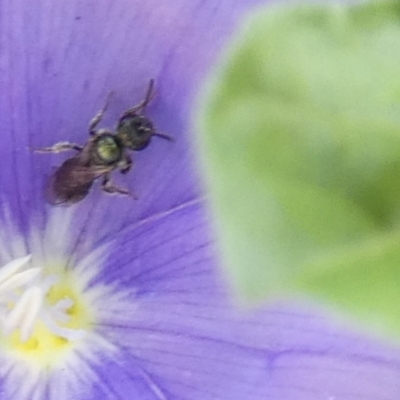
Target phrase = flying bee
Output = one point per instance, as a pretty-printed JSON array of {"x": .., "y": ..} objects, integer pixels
[{"x": 104, "y": 152}]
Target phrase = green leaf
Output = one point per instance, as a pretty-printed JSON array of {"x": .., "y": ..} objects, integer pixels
[{"x": 299, "y": 136}]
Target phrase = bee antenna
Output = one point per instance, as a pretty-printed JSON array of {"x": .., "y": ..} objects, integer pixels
[{"x": 164, "y": 136}]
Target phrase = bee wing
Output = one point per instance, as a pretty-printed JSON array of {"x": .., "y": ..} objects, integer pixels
[{"x": 72, "y": 182}]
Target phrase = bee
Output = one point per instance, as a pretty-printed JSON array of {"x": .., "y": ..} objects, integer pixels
[{"x": 104, "y": 152}]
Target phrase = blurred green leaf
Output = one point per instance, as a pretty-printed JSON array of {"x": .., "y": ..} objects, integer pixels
[{"x": 300, "y": 144}]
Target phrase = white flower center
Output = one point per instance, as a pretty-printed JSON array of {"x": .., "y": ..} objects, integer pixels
[{"x": 23, "y": 302}]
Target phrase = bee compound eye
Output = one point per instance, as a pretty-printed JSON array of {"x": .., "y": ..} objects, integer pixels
[{"x": 108, "y": 149}]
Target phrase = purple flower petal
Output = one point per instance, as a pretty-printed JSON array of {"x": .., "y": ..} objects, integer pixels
[
  {"x": 59, "y": 63},
  {"x": 184, "y": 339}
]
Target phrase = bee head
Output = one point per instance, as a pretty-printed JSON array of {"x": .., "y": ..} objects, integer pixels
[{"x": 135, "y": 132}]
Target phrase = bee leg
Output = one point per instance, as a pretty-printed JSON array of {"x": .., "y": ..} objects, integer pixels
[
  {"x": 97, "y": 118},
  {"x": 109, "y": 187},
  {"x": 59, "y": 147},
  {"x": 140, "y": 108},
  {"x": 126, "y": 164}
]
